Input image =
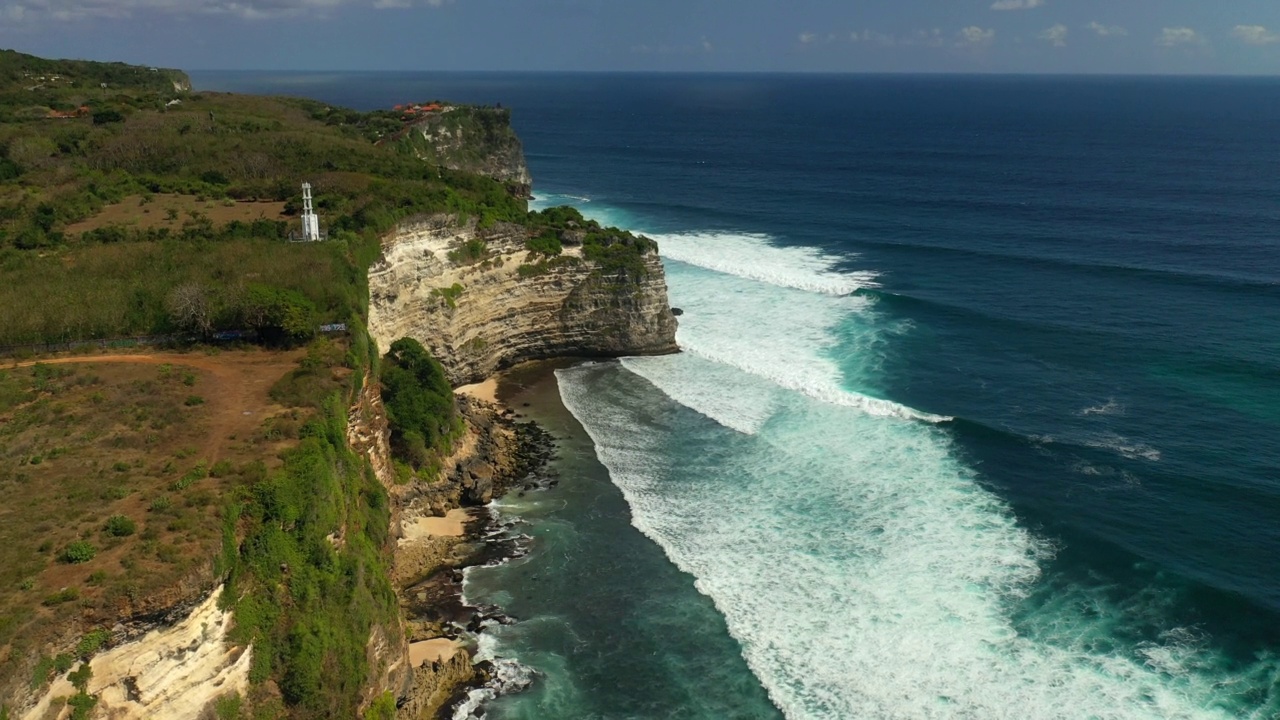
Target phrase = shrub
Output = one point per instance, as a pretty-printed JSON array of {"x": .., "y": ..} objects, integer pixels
[
  {"x": 64, "y": 595},
  {"x": 547, "y": 244},
  {"x": 449, "y": 294},
  {"x": 80, "y": 551},
  {"x": 92, "y": 642},
  {"x": 120, "y": 526},
  {"x": 469, "y": 252},
  {"x": 193, "y": 400},
  {"x": 420, "y": 405},
  {"x": 103, "y": 117}
]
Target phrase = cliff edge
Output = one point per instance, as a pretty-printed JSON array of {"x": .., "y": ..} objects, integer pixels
[
  {"x": 479, "y": 299},
  {"x": 472, "y": 139}
]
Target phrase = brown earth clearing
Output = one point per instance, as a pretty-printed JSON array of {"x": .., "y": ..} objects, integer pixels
[
  {"x": 171, "y": 211},
  {"x": 114, "y": 467}
]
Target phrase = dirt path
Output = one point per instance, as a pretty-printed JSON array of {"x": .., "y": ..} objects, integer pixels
[{"x": 236, "y": 387}]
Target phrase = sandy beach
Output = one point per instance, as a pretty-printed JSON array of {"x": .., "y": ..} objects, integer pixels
[
  {"x": 487, "y": 390},
  {"x": 453, "y": 525},
  {"x": 436, "y": 650}
]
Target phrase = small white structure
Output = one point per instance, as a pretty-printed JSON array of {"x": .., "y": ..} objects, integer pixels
[{"x": 310, "y": 222}]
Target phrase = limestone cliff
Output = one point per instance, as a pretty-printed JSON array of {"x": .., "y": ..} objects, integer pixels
[
  {"x": 477, "y": 140},
  {"x": 480, "y": 301}
]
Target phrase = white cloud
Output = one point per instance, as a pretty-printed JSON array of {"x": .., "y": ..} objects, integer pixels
[
  {"x": 872, "y": 37},
  {"x": 807, "y": 38},
  {"x": 920, "y": 38},
  {"x": 67, "y": 10},
  {"x": 1107, "y": 30},
  {"x": 1255, "y": 35},
  {"x": 975, "y": 36},
  {"x": 1173, "y": 37},
  {"x": 1057, "y": 35},
  {"x": 927, "y": 38},
  {"x": 1016, "y": 4}
]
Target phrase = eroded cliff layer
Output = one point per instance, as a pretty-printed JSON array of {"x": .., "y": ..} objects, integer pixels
[{"x": 480, "y": 300}]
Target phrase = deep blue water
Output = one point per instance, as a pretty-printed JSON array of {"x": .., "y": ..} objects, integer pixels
[{"x": 979, "y": 414}]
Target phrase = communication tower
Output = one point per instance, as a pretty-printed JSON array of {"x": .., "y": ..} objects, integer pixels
[{"x": 310, "y": 223}]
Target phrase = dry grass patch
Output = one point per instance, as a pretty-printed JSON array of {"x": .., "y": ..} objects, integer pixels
[
  {"x": 115, "y": 477},
  {"x": 153, "y": 212}
]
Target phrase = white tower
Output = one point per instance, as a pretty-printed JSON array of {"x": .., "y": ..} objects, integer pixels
[{"x": 310, "y": 223}]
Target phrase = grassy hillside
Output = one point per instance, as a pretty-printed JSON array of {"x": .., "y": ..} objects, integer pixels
[
  {"x": 145, "y": 216},
  {"x": 95, "y": 193},
  {"x": 157, "y": 210}
]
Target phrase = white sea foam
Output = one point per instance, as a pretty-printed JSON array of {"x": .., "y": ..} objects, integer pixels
[
  {"x": 756, "y": 258},
  {"x": 1110, "y": 407},
  {"x": 714, "y": 390},
  {"x": 1130, "y": 449},
  {"x": 862, "y": 568},
  {"x": 784, "y": 335}
]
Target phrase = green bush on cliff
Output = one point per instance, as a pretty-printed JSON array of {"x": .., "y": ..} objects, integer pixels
[
  {"x": 421, "y": 409},
  {"x": 306, "y": 601},
  {"x": 616, "y": 253},
  {"x": 547, "y": 244}
]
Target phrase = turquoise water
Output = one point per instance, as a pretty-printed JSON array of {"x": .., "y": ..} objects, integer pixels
[{"x": 978, "y": 413}]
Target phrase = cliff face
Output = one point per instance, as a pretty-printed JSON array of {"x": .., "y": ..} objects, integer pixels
[
  {"x": 176, "y": 671},
  {"x": 503, "y": 315},
  {"x": 476, "y": 140}
]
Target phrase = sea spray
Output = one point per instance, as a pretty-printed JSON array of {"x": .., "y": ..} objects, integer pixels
[{"x": 861, "y": 566}]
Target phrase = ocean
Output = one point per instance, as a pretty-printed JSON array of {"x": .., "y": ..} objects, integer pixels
[{"x": 978, "y": 414}]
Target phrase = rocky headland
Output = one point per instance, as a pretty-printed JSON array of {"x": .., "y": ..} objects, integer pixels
[
  {"x": 472, "y": 139},
  {"x": 481, "y": 315},
  {"x": 482, "y": 299}
]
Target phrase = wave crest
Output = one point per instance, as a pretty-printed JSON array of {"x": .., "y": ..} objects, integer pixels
[{"x": 753, "y": 257}]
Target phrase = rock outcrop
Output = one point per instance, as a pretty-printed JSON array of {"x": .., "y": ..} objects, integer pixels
[
  {"x": 176, "y": 671},
  {"x": 476, "y": 140},
  {"x": 484, "y": 316}
]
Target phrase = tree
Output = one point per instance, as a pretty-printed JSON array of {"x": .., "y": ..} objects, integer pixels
[
  {"x": 419, "y": 400},
  {"x": 279, "y": 315},
  {"x": 190, "y": 308}
]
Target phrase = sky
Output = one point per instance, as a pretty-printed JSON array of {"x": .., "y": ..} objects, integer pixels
[{"x": 1239, "y": 37}]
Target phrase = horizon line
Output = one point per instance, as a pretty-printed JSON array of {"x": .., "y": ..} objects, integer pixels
[{"x": 864, "y": 73}]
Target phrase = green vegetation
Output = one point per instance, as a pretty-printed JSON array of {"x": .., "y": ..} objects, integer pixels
[
  {"x": 82, "y": 702},
  {"x": 470, "y": 252},
  {"x": 120, "y": 526},
  {"x": 616, "y": 253},
  {"x": 420, "y": 405},
  {"x": 307, "y": 603},
  {"x": 547, "y": 244},
  {"x": 485, "y": 135},
  {"x": 113, "y": 458},
  {"x": 209, "y": 273},
  {"x": 135, "y": 216},
  {"x": 31, "y": 86},
  {"x": 80, "y": 551},
  {"x": 449, "y": 295},
  {"x": 92, "y": 642}
]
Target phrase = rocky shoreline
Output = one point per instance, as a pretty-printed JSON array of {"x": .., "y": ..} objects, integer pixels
[{"x": 504, "y": 453}]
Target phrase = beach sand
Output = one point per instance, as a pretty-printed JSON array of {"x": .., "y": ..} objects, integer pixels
[
  {"x": 452, "y": 524},
  {"x": 437, "y": 650},
  {"x": 487, "y": 390}
]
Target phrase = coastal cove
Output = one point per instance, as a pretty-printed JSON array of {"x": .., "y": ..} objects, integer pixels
[
  {"x": 602, "y": 623},
  {"x": 999, "y": 358},
  {"x": 645, "y": 396}
]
